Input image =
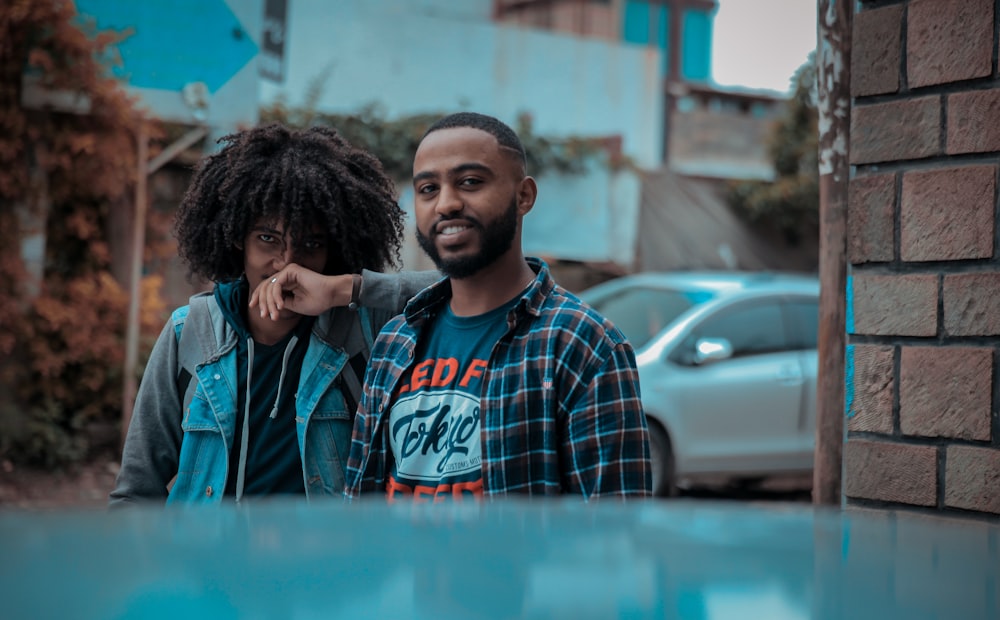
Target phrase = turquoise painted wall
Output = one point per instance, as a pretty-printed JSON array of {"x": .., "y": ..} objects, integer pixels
[
  {"x": 663, "y": 37},
  {"x": 635, "y": 26},
  {"x": 696, "y": 58},
  {"x": 648, "y": 23}
]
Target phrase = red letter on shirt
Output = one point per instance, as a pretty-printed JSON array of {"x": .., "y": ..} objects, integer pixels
[
  {"x": 444, "y": 372},
  {"x": 475, "y": 370},
  {"x": 420, "y": 373}
]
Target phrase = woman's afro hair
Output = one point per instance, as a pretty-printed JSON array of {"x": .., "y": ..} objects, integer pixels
[{"x": 299, "y": 179}]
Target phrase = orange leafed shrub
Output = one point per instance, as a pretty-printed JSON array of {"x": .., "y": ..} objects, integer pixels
[{"x": 62, "y": 341}]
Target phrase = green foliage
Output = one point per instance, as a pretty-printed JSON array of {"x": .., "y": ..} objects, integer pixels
[
  {"x": 61, "y": 351},
  {"x": 395, "y": 141},
  {"x": 791, "y": 201}
]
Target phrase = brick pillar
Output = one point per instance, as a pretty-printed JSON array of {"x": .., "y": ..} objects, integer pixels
[{"x": 923, "y": 298}]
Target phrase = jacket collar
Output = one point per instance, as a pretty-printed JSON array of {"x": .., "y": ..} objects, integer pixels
[{"x": 430, "y": 300}]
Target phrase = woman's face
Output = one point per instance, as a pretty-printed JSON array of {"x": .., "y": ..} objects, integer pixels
[{"x": 267, "y": 249}]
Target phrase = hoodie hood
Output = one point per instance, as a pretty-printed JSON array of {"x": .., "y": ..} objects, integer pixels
[{"x": 233, "y": 298}]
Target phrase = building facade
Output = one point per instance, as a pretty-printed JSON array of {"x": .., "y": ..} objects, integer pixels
[
  {"x": 701, "y": 121},
  {"x": 680, "y": 29}
]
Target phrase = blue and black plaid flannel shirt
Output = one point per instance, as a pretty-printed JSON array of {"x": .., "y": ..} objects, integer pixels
[{"x": 560, "y": 402}]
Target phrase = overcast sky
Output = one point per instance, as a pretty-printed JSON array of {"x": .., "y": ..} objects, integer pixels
[{"x": 760, "y": 43}]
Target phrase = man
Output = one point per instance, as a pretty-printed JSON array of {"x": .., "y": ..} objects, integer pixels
[
  {"x": 495, "y": 380},
  {"x": 236, "y": 401}
]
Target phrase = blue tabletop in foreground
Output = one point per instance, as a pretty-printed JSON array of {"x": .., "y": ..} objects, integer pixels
[{"x": 507, "y": 559}]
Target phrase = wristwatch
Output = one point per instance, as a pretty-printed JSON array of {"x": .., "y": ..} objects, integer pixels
[{"x": 355, "y": 291}]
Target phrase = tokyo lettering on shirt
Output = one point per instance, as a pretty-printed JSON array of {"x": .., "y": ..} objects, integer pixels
[{"x": 435, "y": 421}]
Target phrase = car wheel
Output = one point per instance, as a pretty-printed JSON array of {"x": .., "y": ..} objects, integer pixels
[{"x": 662, "y": 458}]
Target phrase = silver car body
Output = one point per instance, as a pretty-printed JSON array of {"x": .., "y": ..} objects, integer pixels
[{"x": 727, "y": 367}]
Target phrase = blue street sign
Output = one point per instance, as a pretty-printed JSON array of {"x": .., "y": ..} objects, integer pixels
[{"x": 174, "y": 42}]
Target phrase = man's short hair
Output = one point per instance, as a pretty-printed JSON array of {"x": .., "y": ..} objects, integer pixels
[{"x": 506, "y": 137}]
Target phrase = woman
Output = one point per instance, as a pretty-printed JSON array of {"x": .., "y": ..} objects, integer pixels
[{"x": 235, "y": 401}]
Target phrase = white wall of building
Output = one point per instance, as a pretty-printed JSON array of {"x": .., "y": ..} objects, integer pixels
[
  {"x": 424, "y": 58},
  {"x": 592, "y": 217},
  {"x": 442, "y": 56}
]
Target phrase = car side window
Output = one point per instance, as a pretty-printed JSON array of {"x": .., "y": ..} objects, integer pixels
[
  {"x": 804, "y": 318},
  {"x": 751, "y": 330},
  {"x": 641, "y": 313}
]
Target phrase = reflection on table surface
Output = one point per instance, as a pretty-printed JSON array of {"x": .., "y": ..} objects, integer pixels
[{"x": 507, "y": 559}]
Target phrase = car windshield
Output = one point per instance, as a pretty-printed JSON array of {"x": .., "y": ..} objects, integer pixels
[{"x": 642, "y": 312}]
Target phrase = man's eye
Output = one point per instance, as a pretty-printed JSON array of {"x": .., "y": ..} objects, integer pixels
[
  {"x": 426, "y": 189},
  {"x": 470, "y": 181}
]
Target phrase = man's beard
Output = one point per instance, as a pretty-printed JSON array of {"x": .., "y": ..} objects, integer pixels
[{"x": 495, "y": 240}]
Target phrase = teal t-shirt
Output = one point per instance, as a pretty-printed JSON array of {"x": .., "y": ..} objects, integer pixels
[{"x": 434, "y": 422}]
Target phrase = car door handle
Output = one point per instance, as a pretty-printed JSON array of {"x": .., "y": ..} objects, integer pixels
[{"x": 789, "y": 376}]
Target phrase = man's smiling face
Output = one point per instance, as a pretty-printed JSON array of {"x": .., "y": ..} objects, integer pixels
[{"x": 466, "y": 200}]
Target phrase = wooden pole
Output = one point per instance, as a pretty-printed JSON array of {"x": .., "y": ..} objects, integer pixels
[
  {"x": 135, "y": 278},
  {"x": 834, "y": 60},
  {"x": 144, "y": 168}
]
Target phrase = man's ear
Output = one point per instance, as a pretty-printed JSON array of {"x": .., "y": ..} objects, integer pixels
[{"x": 527, "y": 192}]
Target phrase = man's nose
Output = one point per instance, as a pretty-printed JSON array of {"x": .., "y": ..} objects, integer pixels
[{"x": 449, "y": 202}]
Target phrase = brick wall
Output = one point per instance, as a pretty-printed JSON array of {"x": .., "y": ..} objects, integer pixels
[{"x": 924, "y": 280}]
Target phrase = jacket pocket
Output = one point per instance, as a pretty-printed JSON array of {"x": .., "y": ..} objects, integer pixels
[
  {"x": 203, "y": 461},
  {"x": 201, "y": 470},
  {"x": 198, "y": 416},
  {"x": 328, "y": 443}
]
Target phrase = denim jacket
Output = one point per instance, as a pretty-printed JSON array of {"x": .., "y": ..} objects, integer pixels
[{"x": 189, "y": 452}]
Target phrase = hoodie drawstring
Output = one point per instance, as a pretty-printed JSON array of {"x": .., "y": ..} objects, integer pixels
[
  {"x": 241, "y": 474},
  {"x": 245, "y": 438},
  {"x": 281, "y": 377}
]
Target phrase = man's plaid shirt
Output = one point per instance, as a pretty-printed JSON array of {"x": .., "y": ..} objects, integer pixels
[{"x": 560, "y": 401}]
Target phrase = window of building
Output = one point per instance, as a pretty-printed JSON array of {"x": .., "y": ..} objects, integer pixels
[{"x": 687, "y": 104}]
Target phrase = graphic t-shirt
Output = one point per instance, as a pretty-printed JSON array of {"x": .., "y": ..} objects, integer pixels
[{"x": 434, "y": 422}]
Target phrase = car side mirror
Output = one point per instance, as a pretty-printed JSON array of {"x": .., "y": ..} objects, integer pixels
[{"x": 712, "y": 350}]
